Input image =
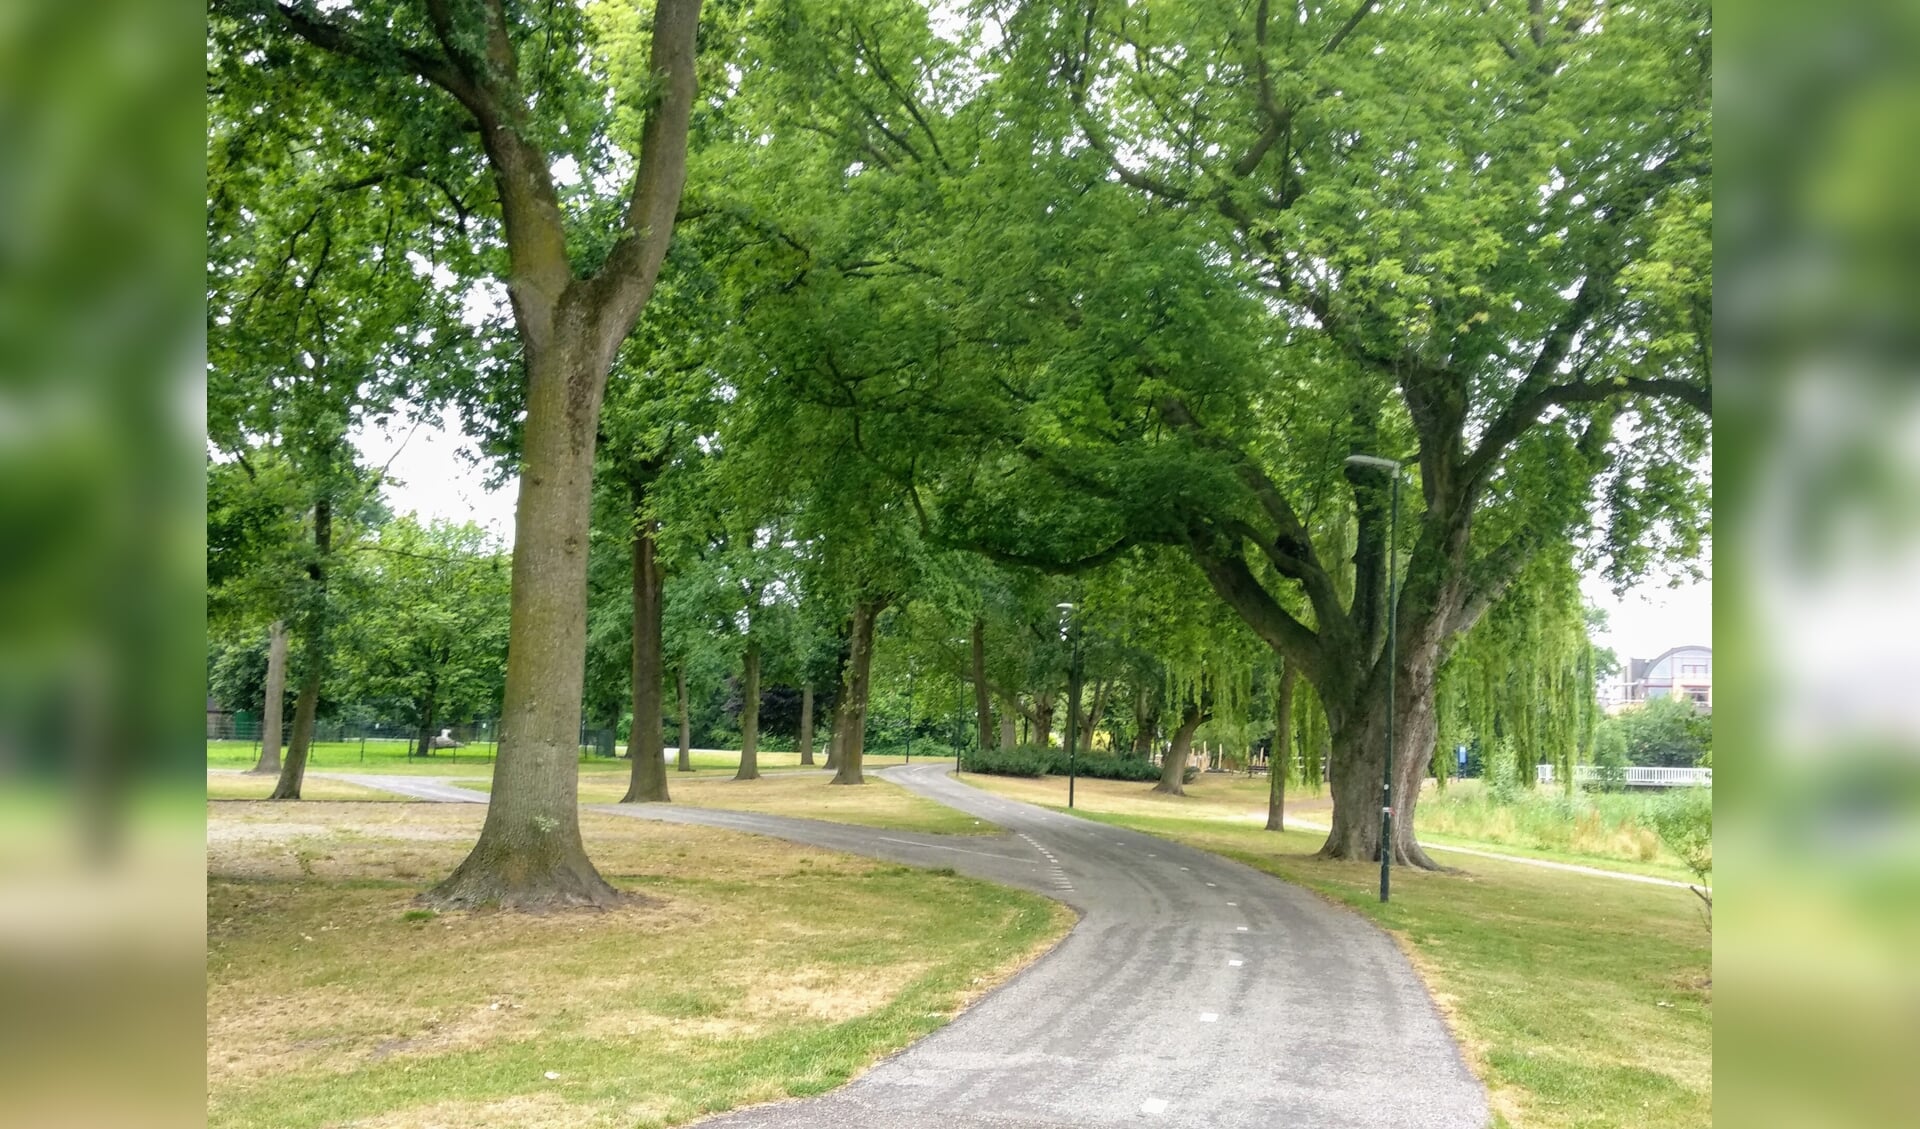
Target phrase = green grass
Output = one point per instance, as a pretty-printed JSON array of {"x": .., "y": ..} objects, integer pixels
[
  {"x": 755, "y": 970},
  {"x": 389, "y": 756},
  {"x": 1581, "y": 1001},
  {"x": 877, "y": 803}
]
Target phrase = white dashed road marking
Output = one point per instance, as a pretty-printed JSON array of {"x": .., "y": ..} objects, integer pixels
[
  {"x": 1154, "y": 1105},
  {"x": 1209, "y": 1017},
  {"x": 1235, "y": 963},
  {"x": 1239, "y": 929}
]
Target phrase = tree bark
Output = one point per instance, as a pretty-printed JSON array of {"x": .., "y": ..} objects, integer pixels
[
  {"x": 649, "y": 768},
  {"x": 806, "y": 726},
  {"x": 1094, "y": 713},
  {"x": 293, "y": 772},
  {"x": 1009, "y": 731},
  {"x": 1280, "y": 761},
  {"x": 850, "y": 735},
  {"x": 270, "y": 720},
  {"x": 685, "y": 763},
  {"x": 1043, "y": 720},
  {"x": 426, "y": 724},
  {"x": 1358, "y": 737},
  {"x": 1173, "y": 768},
  {"x": 1146, "y": 718},
  {"x": 750, "y": 717},
  {"x": 982, "y": 704},
  {"x": 530, "y": 855}
]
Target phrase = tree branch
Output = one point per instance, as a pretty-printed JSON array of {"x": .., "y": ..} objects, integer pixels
[{"x": 626, "y": 281}]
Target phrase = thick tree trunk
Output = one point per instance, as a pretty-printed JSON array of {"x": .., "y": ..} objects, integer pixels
[
  {"x": 426, "y": 724},
  {"x": 1043, "y": 720},
  {"x": 293, "y": 772},
  {"x": 836, "y": 729},
  {"x": 1173, "y": 768},
  {"x": 530, "y": 855},
  {"x": 750, "y": 717},
  {"x": 1146, "y": 718},
  {"x": 1358, "y": 737},
  {"x": 850, "y": 736},
  {"x": 685, "y": 762},
  {"x": 270, "y": 720},
  {"x": 1093, "y": 715},
  {"x": 649, "y": 780},
  {"x": 806, "y": 726},
  {"x": 982, "y": 705},
  {"x": 1009, "y": 731},
  {"x": 1280, "y": 760}
]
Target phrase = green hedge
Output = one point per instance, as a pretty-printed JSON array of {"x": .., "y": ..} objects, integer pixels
[{"x": 1033, "y": 762}]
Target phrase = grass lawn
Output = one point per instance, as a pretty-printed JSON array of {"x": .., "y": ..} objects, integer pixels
[
  {"x": 1582, "y": 1002},
  {"x": 390, "y": 757},
  {"x": 752, "y": 970},
  {"x": 233, "y": 786},
  {"x": 876, "y": 803}
]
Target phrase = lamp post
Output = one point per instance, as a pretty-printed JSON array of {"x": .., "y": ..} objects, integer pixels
[
  {"x": 909, "y": 712},
  {"x": 1073, "y": 696},
  {"x": 1397, "y": 472}
]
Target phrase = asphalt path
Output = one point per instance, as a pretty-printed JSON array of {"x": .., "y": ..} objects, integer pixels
[{"x": 1194, "y": 991}]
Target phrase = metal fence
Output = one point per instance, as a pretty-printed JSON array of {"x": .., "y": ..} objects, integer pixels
[
  {"x": 362, "y": 739},
  {"x": 1636, "y": 776}
]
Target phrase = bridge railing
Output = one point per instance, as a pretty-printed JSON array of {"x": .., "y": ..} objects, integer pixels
[{"x": 1637, "y": 776}]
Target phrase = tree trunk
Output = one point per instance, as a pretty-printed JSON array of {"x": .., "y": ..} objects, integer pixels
[
  {"x": 1009, "y": 731},
  {"x": 1043, "y": 720},
  {"x": 685, "y": 763},
  {"x": 426, "y": 724},
  {"x": 649, "y": 780},
  {"x": 1146, "y": 718},
  {"x": 982, "y": 706},
  {"x": 1093, "y": 715},
  {"x": 850, "y": 736},
  {"x": 806, "y": 726},
  {"x": 293, "y": 772},
  {"x": 270, "y": 721},
  {"x": 750, "y": 717},
  {"x": 530, "y": 855},
  {"x": 1358, "y": 738},
  {"x": 1173, "y": 768},
  {"x": 1280, "y": 761}
]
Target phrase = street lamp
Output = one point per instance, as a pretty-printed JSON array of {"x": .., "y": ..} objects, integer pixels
[
  {"x": 1397, "y": 472},
  {"x": 1073, "y": 696}
]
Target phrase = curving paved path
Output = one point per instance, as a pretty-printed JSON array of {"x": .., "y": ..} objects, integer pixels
[{"x": 1195, "y": 991}]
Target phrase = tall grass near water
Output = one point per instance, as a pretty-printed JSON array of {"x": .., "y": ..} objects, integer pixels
[{"x": 1602, "y": 825}]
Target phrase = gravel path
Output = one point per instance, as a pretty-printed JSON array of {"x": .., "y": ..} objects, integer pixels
[{"x": 1195, "y": 991}]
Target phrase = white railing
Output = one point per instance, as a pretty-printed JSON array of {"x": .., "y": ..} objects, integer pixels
[{"x": 1636, "y": 776}]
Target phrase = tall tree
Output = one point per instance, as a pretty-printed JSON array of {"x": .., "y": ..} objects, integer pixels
[{"x": 537, "y": 85}]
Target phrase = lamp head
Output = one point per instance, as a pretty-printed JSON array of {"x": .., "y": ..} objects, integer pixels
[{"x": 1374, "y": 461}]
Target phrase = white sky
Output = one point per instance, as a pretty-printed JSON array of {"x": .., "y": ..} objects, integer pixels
[
  {"x": 1651, "y": 618},
  {"x": 429, "y": 479}
]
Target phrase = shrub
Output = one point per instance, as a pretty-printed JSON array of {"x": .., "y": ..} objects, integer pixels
[
  {"x": 1503, "y": 774},
  {"x": 1609, "y": 759},
  {"x": 1004, "y": 762},
  {"x": 1033, "y": 762}
]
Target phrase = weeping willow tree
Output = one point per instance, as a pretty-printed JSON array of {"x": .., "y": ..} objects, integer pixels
[
  {"x": 1521, "y": 683},
  {"x": 1155, "y": 602}
]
